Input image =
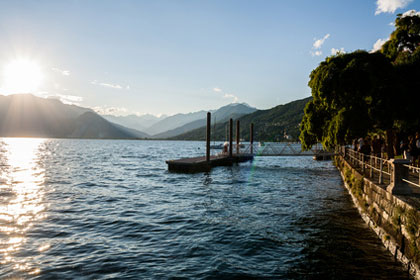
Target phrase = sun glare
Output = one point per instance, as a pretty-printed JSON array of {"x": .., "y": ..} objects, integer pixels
[{"x": 21, "y": 76}]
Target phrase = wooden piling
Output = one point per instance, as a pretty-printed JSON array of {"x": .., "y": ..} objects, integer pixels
[
  {"x": 251, "y": 138},
  {"x": 237, "y": 137},
  {"x": 230, "y": 137},
  {"x": 208, "y": 135}
]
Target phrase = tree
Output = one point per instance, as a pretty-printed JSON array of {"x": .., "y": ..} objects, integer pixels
[
  {"x": 406, "y": 37},
  {"x": 359, "y": 93},
  {"x": 351, "y": 97}
]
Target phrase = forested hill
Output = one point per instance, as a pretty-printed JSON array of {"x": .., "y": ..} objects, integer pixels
[{"x": 269, "y": 125}]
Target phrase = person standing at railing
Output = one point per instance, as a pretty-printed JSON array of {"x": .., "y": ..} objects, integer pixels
[
  {"x": 412, "y": 147},
  {"x": 407, "y": 147},
  {"x": 355, "y": 147},
  {"x": 377, "y": 146},
  {"x": 365, "y": 148},
  {"x": 360, "y": 143}
]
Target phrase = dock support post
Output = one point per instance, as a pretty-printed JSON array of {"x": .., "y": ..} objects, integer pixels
[
  {"x": 251, "y": 138},
  {"x": 208, "y": 137},
  {"x": 237, "y": 137},
  {"x": 230, "y": 137}
]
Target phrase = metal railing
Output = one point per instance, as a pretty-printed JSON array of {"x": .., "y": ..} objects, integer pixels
[
  {"x": 413, "y": 175},
  {"x": 282, "y": 149},
  {"x": 370, "y": 165}
]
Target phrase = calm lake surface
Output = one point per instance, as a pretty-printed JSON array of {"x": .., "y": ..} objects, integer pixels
[{"x": 94, "y": 209}]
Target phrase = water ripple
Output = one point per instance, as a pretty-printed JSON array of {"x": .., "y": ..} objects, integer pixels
[{"x": 86, "y": 209}]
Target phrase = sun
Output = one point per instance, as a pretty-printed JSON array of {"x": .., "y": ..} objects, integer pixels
[{"x": 21, "y": 76}]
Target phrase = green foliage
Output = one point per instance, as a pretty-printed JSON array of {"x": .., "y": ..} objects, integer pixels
[
  {"x": 360, "y": 93},
  {"x": 397, "y": 213},
  {"x": 349, "y": 91},
  {"x": 414, "y": 251},
  {"x": 405, "y": 39},
  {"x": 411, "y": 223}
]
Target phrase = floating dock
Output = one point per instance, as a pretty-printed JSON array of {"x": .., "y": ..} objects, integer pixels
[
  {"x": 206, "y": 163},
  {"x": 200, "y": 164}
]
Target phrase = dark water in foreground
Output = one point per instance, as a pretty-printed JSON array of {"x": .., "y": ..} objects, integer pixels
[{"x": 80, "y": 209}]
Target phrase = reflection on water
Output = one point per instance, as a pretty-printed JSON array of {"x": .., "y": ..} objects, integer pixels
[
  {"x": 21, "y": 199},
  {"x": 115, "y": 212}
]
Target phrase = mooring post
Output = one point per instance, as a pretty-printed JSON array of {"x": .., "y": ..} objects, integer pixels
[
  {"x": 208, "y": 137},
  {"x": 237, "y": 137},
  {"x": 251, "y": 138},
  {"x": 230, "y": 137}
]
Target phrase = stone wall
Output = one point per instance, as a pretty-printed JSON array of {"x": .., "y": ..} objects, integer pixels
[{"x": 394, "y": 220}]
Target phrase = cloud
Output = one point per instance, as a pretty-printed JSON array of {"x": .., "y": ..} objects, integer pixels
[
  {"x": 316, "y": 53},
  {"x": 390, "y": 6},
  {"x": 316, "y": 46},
  {"x": 61, "y": 71},
  {"x": 319, "y": 42},
  {"x": 411, "y": 13},
  {"x": 109, "y": 85},
  {"x": 228, "y": 95},
  {"x": 109, "y": 110},
  {"x": 378, "y": 45},
  {"x": 335, "y": 51},
  {"x": 66, "y": 99}
]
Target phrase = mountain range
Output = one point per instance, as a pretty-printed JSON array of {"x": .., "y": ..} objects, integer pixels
[
  {"x": 25, "y": 115},
  {"x": 142, "y": 122},
  {"x": 180, "y": 123},
  {"x": 276, "y": 124}
]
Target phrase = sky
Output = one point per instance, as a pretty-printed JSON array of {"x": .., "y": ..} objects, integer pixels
[{"x": 178, "y": 56}]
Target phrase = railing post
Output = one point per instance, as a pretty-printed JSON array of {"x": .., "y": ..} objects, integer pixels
[
  {"x": 371, "y": 166},
  {"x": 381, "y": 166},
  {"x": 399, "y": 172},
  {"x": 363, "y": 163}
]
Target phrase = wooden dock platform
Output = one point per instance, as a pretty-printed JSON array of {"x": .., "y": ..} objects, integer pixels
[
  {"x": 206, "y": 163},
  {"x": 200, "y": 164}
]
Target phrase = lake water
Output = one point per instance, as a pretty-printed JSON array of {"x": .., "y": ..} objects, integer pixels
[{"x": 93, "y": 209}]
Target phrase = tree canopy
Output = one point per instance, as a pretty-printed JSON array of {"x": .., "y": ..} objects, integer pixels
[{"x": 360, "y": 92}]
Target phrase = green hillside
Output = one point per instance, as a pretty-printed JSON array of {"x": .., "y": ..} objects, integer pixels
[{"x": 269, "y": 125}]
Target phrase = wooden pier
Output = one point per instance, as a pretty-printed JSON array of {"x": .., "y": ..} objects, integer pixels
[
  {"x": 206, "y": 163},
  {"x": 200, "y": 164},
  {"x": 231, "y": 156}
]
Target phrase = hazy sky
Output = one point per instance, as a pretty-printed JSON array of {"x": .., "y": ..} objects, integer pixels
[{"x": 165, "y": 57}]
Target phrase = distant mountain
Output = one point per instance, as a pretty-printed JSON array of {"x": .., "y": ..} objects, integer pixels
[
  {"x": 174, "y": 122},
  {"x": 25, "y": 115},
  {"x": 141, "y": 123},
  {"x": 234, "y": 110},
  {"x": 91, "y": 125},
  {"x": 269, "y": 125}
]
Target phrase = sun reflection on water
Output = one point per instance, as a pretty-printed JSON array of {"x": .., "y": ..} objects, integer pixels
[{"x": 21, "y": 199}]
